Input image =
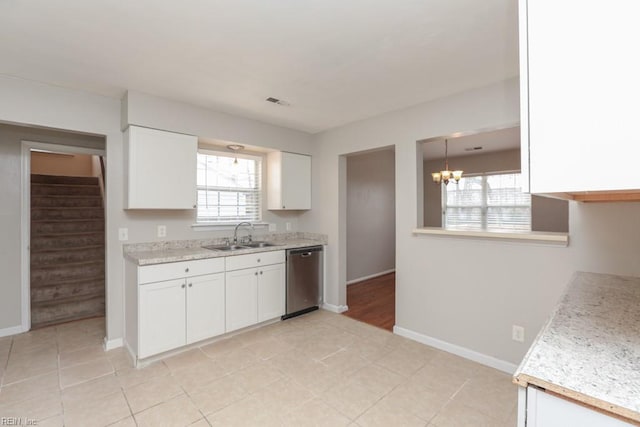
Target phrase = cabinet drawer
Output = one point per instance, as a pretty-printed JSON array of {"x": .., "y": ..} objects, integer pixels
[
  {"x": 239, "y": 262},
  {"x": 176, "y": 270}
]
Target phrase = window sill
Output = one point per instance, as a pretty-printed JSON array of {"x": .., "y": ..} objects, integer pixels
[
  {"x": 223, "y": 226},
  {"x": 560, "y": 239}
]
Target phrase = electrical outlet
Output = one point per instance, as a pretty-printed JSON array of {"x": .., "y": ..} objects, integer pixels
[
  {"x": 162, "y": 231},
  {"x": 123, "y": 234},
  {"x": 272, "y": 227},
  {"x": 288, "y": 226},
  {"x": 517, "y": 333}
]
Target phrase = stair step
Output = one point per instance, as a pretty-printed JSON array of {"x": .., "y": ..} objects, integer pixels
[
  {"x": 62, "y": 227},
  {"x": 57, "y": 179},
  {"x": 70, "y": 255},
  {"x": 50, "y": 242},
  {"x": 64, "y": 189},
  {"x": 38, "y": 214},
  {"x": 65, "y": 310},
  {"x": 66, "y": 201},
  {"x": 54, "y": 274},
  {"x": 67, "y": 290}
]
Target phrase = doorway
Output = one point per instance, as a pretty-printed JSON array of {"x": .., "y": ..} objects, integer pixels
[
  {"x": 371, "y": 237},
  {"x": 63, "y": 233}
]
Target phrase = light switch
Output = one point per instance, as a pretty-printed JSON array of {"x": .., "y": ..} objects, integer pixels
[{"x": 162, "y": 231}]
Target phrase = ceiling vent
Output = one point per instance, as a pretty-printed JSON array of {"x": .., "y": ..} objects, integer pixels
[
  {"x": 473, "y": 148},
  {"x": 277, "y": 101}
]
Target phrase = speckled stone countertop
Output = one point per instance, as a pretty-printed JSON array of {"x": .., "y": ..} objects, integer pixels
[
  {"x": 186, "y": 250},
  {"x": 589, "y": 350}
]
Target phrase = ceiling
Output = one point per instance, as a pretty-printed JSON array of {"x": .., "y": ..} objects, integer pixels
[
  {"x": 490, "y": 141},
  {"x": 333, "y": 61}
]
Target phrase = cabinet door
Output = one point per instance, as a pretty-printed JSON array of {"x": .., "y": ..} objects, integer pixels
[
  {"x": 205, "y": 307},
  {"x": 583, "y": 88},
  {"x": 241, "y": 298},
  {"x": 271, "y": 292},
  {"x": 289, "y": 181},
  {"x": 296, "y": 181},
  {"x": 160, "y": 168},
  {"x": 162, "y": 317}
]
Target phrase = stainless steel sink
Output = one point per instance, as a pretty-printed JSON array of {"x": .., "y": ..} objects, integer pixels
[
  {"x": 259, "y": 244},
  {"x": 226, "y": 247}
]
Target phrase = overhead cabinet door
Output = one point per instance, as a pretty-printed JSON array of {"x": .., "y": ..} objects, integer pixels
[
  {"x": 160, "y": 168},
  {"x": 289, "y": 181},
  {"x": 580, "y": 72}
]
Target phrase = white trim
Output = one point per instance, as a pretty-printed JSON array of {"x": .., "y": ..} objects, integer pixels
[
  {"x": 484, "y": 359},
  {"x": 12, "y": 331},
  {"x": 25, "y": 217},
  {"x": 560, "y": 239},
  {"x": 111, "y": 344},
  {"x": 371, "y": 276},
  {"x": 334, "y": 308}
]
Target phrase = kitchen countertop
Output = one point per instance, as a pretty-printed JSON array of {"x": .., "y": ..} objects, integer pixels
[
  {"x": 187, "y": 250},
  {"x": 589, "y": 351}
]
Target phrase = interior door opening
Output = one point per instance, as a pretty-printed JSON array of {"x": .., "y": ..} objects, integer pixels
[{"x": 371, "y": 237}]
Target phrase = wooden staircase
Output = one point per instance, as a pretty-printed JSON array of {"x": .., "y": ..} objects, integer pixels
[{"x": 67, "y": 249}]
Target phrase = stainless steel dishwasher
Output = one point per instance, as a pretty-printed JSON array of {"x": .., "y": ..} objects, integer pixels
[{"x": 304, "y": 280}]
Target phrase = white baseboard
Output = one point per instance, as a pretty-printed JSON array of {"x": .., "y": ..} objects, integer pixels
[
  {"x": 371, "y": 276},
  {"x": 111, "y": 344},
  {"x": 484, "y": 359},
  {"x": 12, "y": 331},
  {"x": 334, "y": 308}
]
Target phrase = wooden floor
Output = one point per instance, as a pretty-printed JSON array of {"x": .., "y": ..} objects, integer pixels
[{"x": 373, "y": 301}]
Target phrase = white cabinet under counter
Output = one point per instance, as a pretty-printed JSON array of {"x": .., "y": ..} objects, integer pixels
[
  {"x": 160, "y": 169},
  {"x": 172, "y": 305},
  {"x": 255, "y": 288}
]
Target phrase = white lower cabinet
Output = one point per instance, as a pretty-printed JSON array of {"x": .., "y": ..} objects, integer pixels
[
  {"x": 179, "y": 312},
  {"x": 271, "y": 292},
  {"x": 254, "y": 294},
  {"x": 547, "y": 410},
  {"x": 205, "y": 307},
  {"x": 171, "y": 305},
  {"x": 242, "y": 298},
  {"x": 162, "y": 317}
]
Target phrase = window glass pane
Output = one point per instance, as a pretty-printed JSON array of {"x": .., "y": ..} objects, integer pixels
[
  {"x": 228, "y": 191},
  {"x": 487, "y": 202}
]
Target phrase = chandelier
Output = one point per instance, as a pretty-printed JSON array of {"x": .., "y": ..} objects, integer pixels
[{"x": 446, "y": 175}]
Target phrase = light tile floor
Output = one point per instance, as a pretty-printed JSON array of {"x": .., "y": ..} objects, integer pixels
[{"x": 320, "y": 369}]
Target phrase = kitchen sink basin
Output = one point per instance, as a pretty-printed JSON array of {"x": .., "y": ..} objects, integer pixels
[
  {"x": 226, "y": 247},
  {"x": 259, "y": 244}
]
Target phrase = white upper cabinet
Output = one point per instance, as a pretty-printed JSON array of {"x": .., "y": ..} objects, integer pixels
[
  {"x": 580, "y": 85},
  {"x": 160, "y": 169},
  {"x": 289, "y": 181}
]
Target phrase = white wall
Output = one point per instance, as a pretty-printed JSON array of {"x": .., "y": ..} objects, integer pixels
[
  {"x": 371, "y": 214},
  {"x": 464, "y": 291},
  {"x": 29, "y": 103}
]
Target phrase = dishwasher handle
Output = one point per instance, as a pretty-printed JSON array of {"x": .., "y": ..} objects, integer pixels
[{"x": 304, "y": 252}]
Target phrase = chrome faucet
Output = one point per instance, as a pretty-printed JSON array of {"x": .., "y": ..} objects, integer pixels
[{"x": 235, "y": 232}]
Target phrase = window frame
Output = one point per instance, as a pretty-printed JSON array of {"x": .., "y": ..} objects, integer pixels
[
  {"x": 260, "y": 190},
  {"x": 484, "y": 206}
]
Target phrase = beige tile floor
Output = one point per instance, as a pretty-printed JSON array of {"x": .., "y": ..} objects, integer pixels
[{"x": 321, "y": 369}]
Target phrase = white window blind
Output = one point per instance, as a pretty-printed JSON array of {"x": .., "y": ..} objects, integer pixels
[
  {"x": 487, "y": 202},
  {"x": 228, "y": 192}
]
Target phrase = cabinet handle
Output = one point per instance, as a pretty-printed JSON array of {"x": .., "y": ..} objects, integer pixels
[
  {"x": 260, "y": 272},
  {"x": 258, "y": 259},
  {"x": 284, "y": 207},
  {"x": 195, "y": 206},
  {"x": 183, "y": 286},
  {"x": 186, "y": 270},
  {"x": 190, "y": 285},
  {"x": 256, "y": 273}
]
